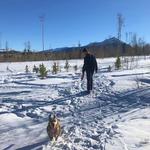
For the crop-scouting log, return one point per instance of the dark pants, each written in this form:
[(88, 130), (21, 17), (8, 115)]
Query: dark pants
[(89, 75)]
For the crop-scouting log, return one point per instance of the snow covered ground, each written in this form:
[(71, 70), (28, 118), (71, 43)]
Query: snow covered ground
[(115, 116)]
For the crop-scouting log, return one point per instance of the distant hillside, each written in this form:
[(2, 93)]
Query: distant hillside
[(107, 48), (110, 41), (111, 47), (3, 51), (113, 42)]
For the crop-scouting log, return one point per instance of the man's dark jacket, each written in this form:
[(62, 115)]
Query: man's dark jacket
[(90, 64)]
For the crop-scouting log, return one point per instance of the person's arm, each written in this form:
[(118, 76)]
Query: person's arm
[(96, 68), (83, 70)]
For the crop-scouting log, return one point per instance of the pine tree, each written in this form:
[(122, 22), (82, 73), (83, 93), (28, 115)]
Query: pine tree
[(35, 69), (67, 65), (109, 68), (118, 63), (75, 68), (27, 69), (55, 68), (43, 71)]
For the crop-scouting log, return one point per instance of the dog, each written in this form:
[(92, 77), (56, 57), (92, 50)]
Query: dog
[(53, 128)]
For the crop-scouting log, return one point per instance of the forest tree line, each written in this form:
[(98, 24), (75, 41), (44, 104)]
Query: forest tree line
[(100, 51)]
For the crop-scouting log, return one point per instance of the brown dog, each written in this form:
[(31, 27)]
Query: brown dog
[(53, 128)]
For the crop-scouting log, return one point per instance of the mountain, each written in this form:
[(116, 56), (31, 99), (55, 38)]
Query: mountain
[(3, 51), (113, 42), (111, 47), (110, 41)]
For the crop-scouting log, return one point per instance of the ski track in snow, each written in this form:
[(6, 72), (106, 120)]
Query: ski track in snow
[(100, 120)]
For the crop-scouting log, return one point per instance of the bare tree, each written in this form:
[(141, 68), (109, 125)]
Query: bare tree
[(127, 37), (28, 46), (0, 40), (141, 45), (6, 46), (25, 47), (80, 52), (6, 54), (134, 40)]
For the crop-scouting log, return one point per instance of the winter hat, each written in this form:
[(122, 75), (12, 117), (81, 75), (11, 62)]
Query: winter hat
[(84, 50)]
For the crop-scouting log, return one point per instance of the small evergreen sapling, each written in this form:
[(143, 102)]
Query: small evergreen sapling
[(75, 68), (58, 67), (35, 69), (55, 68), (26, 69), (43, 71), (109, 68), (67, 65), (118, 63)]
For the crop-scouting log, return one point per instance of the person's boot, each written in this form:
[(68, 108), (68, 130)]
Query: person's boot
[(88, 91)]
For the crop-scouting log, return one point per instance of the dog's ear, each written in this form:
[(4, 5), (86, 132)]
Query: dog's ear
[(54, 117), (50, 117)]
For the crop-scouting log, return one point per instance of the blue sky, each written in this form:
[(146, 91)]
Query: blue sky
[(70, 21)]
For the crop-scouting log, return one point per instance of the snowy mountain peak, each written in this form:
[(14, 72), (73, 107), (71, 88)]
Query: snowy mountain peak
[(109, 41), (112, 40)]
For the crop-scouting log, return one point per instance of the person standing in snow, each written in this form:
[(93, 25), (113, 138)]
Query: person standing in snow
[(90, 65)]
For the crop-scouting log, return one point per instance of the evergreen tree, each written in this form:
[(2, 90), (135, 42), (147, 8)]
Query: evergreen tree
[(27, 69), (109, 68), (43, 71), (55, 68), (118, 63), (75, 68), (67, 65), (35, 69)]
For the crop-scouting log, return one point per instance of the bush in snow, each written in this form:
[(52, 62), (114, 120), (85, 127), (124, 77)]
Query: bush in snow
[(58, 67), (67, 65), (109, 68), (118, 63), (26, 69), (43, 71), (75, 68), (35, 69), (55, 68)]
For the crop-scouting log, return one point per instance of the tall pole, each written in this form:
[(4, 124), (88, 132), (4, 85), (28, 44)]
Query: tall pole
[(0, 41), (120, 20), (120, 24), (42, 19)]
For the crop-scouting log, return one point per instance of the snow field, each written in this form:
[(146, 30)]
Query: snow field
[(115, 116)]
